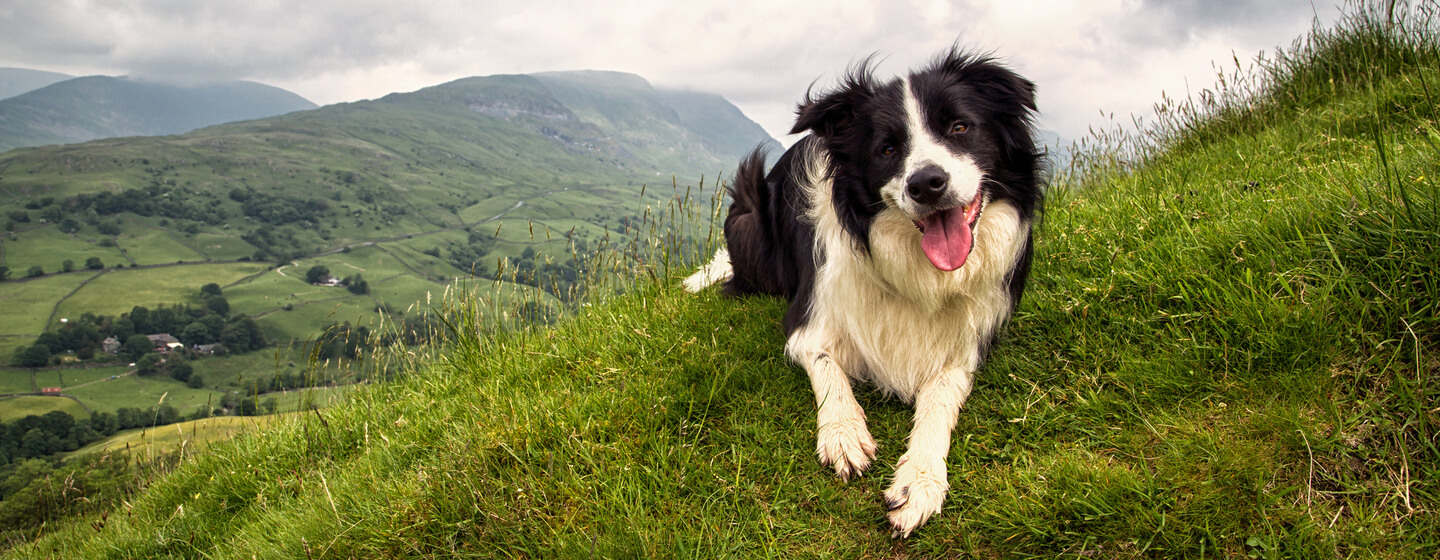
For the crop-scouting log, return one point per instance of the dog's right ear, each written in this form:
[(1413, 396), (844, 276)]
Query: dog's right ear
[(835, 110), (824, 116)]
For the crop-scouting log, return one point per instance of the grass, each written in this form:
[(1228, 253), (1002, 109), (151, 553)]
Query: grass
[(150, 287), (156, 246), (1227, 349), (49, 248), (19, 407), (181, 437), (28, 304)]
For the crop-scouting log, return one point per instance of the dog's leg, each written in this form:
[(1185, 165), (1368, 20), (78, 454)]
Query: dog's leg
[(841, 440), (920, 476)]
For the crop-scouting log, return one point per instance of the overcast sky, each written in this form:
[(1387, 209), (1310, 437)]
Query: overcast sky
[(1087, 57)]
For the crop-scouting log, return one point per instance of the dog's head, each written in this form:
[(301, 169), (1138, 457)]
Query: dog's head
[(936, 146)]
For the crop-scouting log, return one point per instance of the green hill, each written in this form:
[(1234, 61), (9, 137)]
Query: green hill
[(513, 179), (15, 81), (93, 107), (1228, 349)]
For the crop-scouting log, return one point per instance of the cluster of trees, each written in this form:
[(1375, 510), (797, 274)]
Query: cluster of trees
[(279, 209), (160, 198), (320, 273), (469, 257), (207, 323), (58, 432)]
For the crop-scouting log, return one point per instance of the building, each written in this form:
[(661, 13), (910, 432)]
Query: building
[(164, 343), (111, 345)]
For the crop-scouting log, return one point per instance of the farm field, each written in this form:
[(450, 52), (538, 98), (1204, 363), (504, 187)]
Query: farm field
[(150, 287)]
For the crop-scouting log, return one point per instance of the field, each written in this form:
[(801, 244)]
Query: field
[(156, 246), (15, 408), (49, 248), (185, 437), (150, 287), (28, 304)]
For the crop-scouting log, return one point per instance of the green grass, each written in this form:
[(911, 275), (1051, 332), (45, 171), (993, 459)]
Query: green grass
[(19, 407), (182, 437), (135, 391), (28, 304), (221, 247), (49, 248), (167, 285), (1228, 349), (15, 380), (154, 246)]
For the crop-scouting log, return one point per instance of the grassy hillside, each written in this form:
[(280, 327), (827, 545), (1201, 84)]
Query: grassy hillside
[(1228, 349)]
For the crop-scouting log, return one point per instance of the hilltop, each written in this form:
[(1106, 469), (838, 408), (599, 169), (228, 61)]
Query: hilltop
[(94, 107), (15, 81)]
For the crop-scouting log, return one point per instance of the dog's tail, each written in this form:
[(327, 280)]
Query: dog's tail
[(749, 195)]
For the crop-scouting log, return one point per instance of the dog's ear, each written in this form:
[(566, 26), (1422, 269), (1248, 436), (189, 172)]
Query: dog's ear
[(1006, 90), (835, 110), (824, 116)]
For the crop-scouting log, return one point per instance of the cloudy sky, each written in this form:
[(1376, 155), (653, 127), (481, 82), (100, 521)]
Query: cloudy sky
[(1088, 57)]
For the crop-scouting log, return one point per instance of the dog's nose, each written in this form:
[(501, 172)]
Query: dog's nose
[(926, 185)]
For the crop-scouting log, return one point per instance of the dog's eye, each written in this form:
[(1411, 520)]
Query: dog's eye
[(887, 151), (958, 127)]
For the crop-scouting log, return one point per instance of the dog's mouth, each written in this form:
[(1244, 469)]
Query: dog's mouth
[(949, 235)]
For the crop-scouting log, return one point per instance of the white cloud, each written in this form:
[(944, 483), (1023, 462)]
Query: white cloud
[(1087, 57)]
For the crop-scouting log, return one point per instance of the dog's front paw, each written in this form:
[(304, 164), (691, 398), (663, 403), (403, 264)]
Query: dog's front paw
[(845, 444), (916, 495)]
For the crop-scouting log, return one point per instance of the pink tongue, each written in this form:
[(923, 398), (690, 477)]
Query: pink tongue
[(947, 239)]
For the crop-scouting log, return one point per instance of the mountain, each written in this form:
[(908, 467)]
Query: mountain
[(413, 189), (15, 81), (94, 107)]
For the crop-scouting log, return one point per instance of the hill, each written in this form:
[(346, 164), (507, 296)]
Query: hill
[(1228, 349), (512, 179), (93, 107), (15, 81)]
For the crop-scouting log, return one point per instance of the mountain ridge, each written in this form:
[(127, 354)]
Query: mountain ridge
[(96, 107)]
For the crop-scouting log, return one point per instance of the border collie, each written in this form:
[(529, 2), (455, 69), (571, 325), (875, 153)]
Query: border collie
[(900, 230)]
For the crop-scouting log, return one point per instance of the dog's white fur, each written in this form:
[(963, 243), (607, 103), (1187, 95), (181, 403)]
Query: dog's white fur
[(891, 318)]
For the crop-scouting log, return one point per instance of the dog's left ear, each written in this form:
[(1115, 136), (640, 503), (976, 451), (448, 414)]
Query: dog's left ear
[(1009, 92)]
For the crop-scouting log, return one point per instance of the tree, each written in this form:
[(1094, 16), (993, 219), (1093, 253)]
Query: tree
[(317, 274), (34, 356), (137, 345), (181, 371), (197, 333), (148, 364), (4, 273), (140, 317), (67, 266), (357, 285), (218, 305), (196, 381), (93, 263), (211, 289), (35, 271)]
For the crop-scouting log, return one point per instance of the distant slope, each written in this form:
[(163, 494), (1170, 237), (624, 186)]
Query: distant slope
[(15, 81), (413, 189), (95, 107)]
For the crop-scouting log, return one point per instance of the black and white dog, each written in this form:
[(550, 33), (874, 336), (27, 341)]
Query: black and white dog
[(900, 229)]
